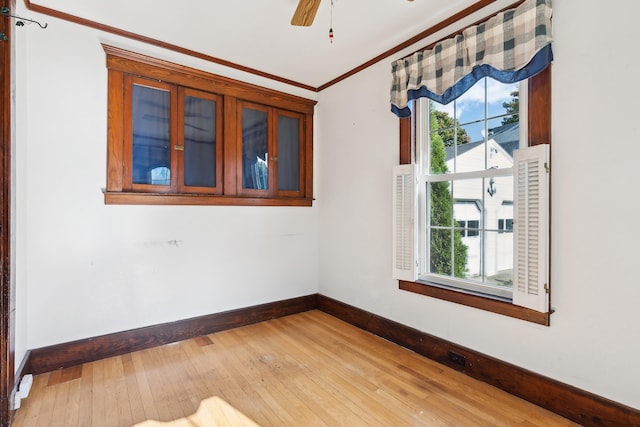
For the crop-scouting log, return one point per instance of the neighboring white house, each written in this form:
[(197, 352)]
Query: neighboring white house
[(492, 199)]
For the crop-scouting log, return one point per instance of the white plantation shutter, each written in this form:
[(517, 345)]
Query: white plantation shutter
[(531, 228), (404, 223)]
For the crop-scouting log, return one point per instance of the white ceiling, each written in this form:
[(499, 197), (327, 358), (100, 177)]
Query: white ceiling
[(258, 33)]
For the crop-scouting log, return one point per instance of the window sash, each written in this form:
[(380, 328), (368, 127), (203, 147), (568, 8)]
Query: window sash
[(280, 155), (423, 154), (182, 187), (130, 82)]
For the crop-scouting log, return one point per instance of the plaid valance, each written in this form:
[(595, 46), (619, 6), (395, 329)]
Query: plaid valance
[(509, 47)]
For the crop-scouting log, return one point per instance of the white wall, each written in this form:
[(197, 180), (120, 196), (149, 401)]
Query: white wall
[(85, 268), (592, 342)]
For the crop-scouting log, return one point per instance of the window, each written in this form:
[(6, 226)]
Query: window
[(182, 136), (465, 204)]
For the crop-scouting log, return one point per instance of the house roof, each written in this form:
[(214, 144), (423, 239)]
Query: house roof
[(507, 136)]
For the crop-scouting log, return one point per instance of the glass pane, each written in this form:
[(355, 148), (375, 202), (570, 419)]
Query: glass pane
[(471, 156), (199, 142), (441, 156), (468, 212), (468, 195), (471, 133), (499, 258), (498, 200), (503, 140), (151, 154), (470, 106), (441, 116), (440, 252), (255, 169), (288, 153), (440, 204), (473, 259), (503, 98)]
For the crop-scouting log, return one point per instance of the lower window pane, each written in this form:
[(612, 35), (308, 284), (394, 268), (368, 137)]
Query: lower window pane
[(151, 155), (255, 168), (199, 142), (440, 203), (473, 260), (440, 250), (499, 258)]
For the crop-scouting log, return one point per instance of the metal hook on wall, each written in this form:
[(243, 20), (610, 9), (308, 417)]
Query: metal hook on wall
[(5, 11)]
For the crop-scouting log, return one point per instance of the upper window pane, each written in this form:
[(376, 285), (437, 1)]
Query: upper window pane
[(255, 149), (199, 142), (479, 130), (151, 153), (288, 153)]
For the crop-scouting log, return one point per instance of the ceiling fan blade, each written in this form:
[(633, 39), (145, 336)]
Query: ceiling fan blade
[(305, 13)]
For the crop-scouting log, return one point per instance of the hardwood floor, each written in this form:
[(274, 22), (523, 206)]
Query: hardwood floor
[(308, 369)]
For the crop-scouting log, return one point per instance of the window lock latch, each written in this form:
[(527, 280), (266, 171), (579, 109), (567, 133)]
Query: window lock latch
[(178, 147)]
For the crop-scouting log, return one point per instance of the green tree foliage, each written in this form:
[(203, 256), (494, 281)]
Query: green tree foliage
[(441, 213), (512, 107), (449, 129)]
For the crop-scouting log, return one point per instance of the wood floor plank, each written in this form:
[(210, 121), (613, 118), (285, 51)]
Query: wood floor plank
[(160, 385), (72, 409), (144, 389), (307, 369), (133, 389), (85, 403), (58, 415), (46, 409), (98, 405)]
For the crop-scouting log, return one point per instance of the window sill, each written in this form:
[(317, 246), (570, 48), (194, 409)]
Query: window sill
[(486, 303), (126, 198)]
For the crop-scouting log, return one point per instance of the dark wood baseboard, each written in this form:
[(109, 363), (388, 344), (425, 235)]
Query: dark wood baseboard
[(575, 404), (46, 359)]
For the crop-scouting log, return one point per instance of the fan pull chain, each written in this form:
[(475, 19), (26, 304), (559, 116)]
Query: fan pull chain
[(331, 24)]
